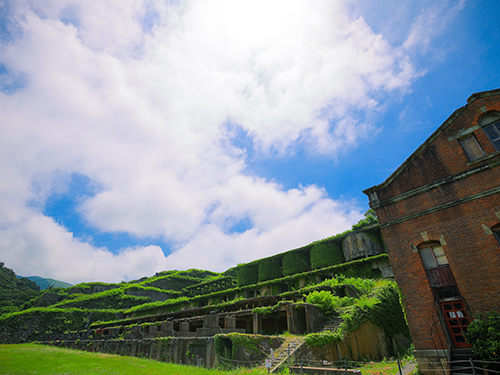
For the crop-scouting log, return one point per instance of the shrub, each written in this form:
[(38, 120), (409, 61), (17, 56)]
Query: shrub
[(327, 302), (484, 335)]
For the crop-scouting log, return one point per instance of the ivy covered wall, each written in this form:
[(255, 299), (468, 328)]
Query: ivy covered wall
[(326, 254), (270, 268), (247, 274), (296, 262)]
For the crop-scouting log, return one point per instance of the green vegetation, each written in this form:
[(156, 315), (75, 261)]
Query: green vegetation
[(325, 254), (45, 360), (370, 219), (31, 359), (45, 283), (248, 274), (484, 335), (296, 262), (349, 292), (270, 268), (319, 254), (14, 291), (114, 297), (214, 284), (378, 301), (358, 268), (37, 323), (29, 314)]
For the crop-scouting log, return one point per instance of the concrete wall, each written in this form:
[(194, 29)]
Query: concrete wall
[(367, 342), (189, 351)]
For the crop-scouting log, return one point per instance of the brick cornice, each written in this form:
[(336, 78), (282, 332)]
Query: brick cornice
[(442, 207), (448, 180)]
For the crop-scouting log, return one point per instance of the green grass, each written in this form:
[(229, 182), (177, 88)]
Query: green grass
[(39, 359)]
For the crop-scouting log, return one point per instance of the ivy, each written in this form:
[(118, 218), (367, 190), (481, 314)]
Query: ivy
[(378, 303), (270, 268), (326, 254), (248, 274), (37, 323), (324, 338), (296, 262)]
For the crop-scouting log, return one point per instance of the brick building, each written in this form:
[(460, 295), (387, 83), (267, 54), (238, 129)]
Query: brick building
[(439, 214)]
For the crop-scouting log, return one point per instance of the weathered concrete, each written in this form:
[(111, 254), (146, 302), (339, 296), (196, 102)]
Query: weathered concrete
[(197, 351), (367, 342), (360, 245)]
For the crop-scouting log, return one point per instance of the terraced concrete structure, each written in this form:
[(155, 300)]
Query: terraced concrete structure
[(231, 304)]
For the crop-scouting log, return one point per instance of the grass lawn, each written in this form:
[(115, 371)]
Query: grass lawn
[(380, 368), (40, 359)]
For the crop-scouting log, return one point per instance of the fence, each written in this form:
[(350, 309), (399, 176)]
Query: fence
[(405, 366)]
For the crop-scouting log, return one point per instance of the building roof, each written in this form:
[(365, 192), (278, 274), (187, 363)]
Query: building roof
[(431, 139)]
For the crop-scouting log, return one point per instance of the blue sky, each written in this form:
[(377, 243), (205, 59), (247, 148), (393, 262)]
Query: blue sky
[(140, 136)]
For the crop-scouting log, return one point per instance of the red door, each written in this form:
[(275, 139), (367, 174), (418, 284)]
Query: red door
[(457, 320)]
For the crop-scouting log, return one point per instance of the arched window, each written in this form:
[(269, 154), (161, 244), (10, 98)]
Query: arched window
[(491, 126), (433, 256)]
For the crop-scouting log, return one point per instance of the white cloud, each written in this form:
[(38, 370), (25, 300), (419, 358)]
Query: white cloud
[(431, 22), (141, 109), (38, 244)]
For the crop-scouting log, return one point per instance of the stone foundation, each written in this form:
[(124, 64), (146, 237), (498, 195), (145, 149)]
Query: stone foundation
[(432, 362)]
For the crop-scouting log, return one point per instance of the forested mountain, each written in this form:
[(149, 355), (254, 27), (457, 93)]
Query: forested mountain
[(14, 291), (45, 283)]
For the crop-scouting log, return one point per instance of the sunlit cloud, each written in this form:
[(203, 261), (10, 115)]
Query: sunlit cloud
[(137, 97)]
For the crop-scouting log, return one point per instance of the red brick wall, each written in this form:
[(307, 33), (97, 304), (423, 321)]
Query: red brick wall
[(473, 255), (447, 157)]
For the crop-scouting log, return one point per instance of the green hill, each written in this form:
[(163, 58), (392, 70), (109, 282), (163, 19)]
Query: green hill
[(14, 291), (44, 283)]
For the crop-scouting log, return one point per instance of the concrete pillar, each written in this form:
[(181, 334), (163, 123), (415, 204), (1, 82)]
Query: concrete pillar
[(257, 329)]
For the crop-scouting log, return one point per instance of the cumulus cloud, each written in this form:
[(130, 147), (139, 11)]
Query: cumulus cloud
[(137, 96)]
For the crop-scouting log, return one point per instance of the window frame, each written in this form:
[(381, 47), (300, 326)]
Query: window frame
[(468, 150), (437, 263), (490, 123), (496, 232)]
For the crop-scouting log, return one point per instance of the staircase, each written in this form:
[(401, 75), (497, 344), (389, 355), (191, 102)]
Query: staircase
[(329, 325), (285, 351), (460, 361)]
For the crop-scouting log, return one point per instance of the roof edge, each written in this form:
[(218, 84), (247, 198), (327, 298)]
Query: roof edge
[(482, 94), (432, 137)]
